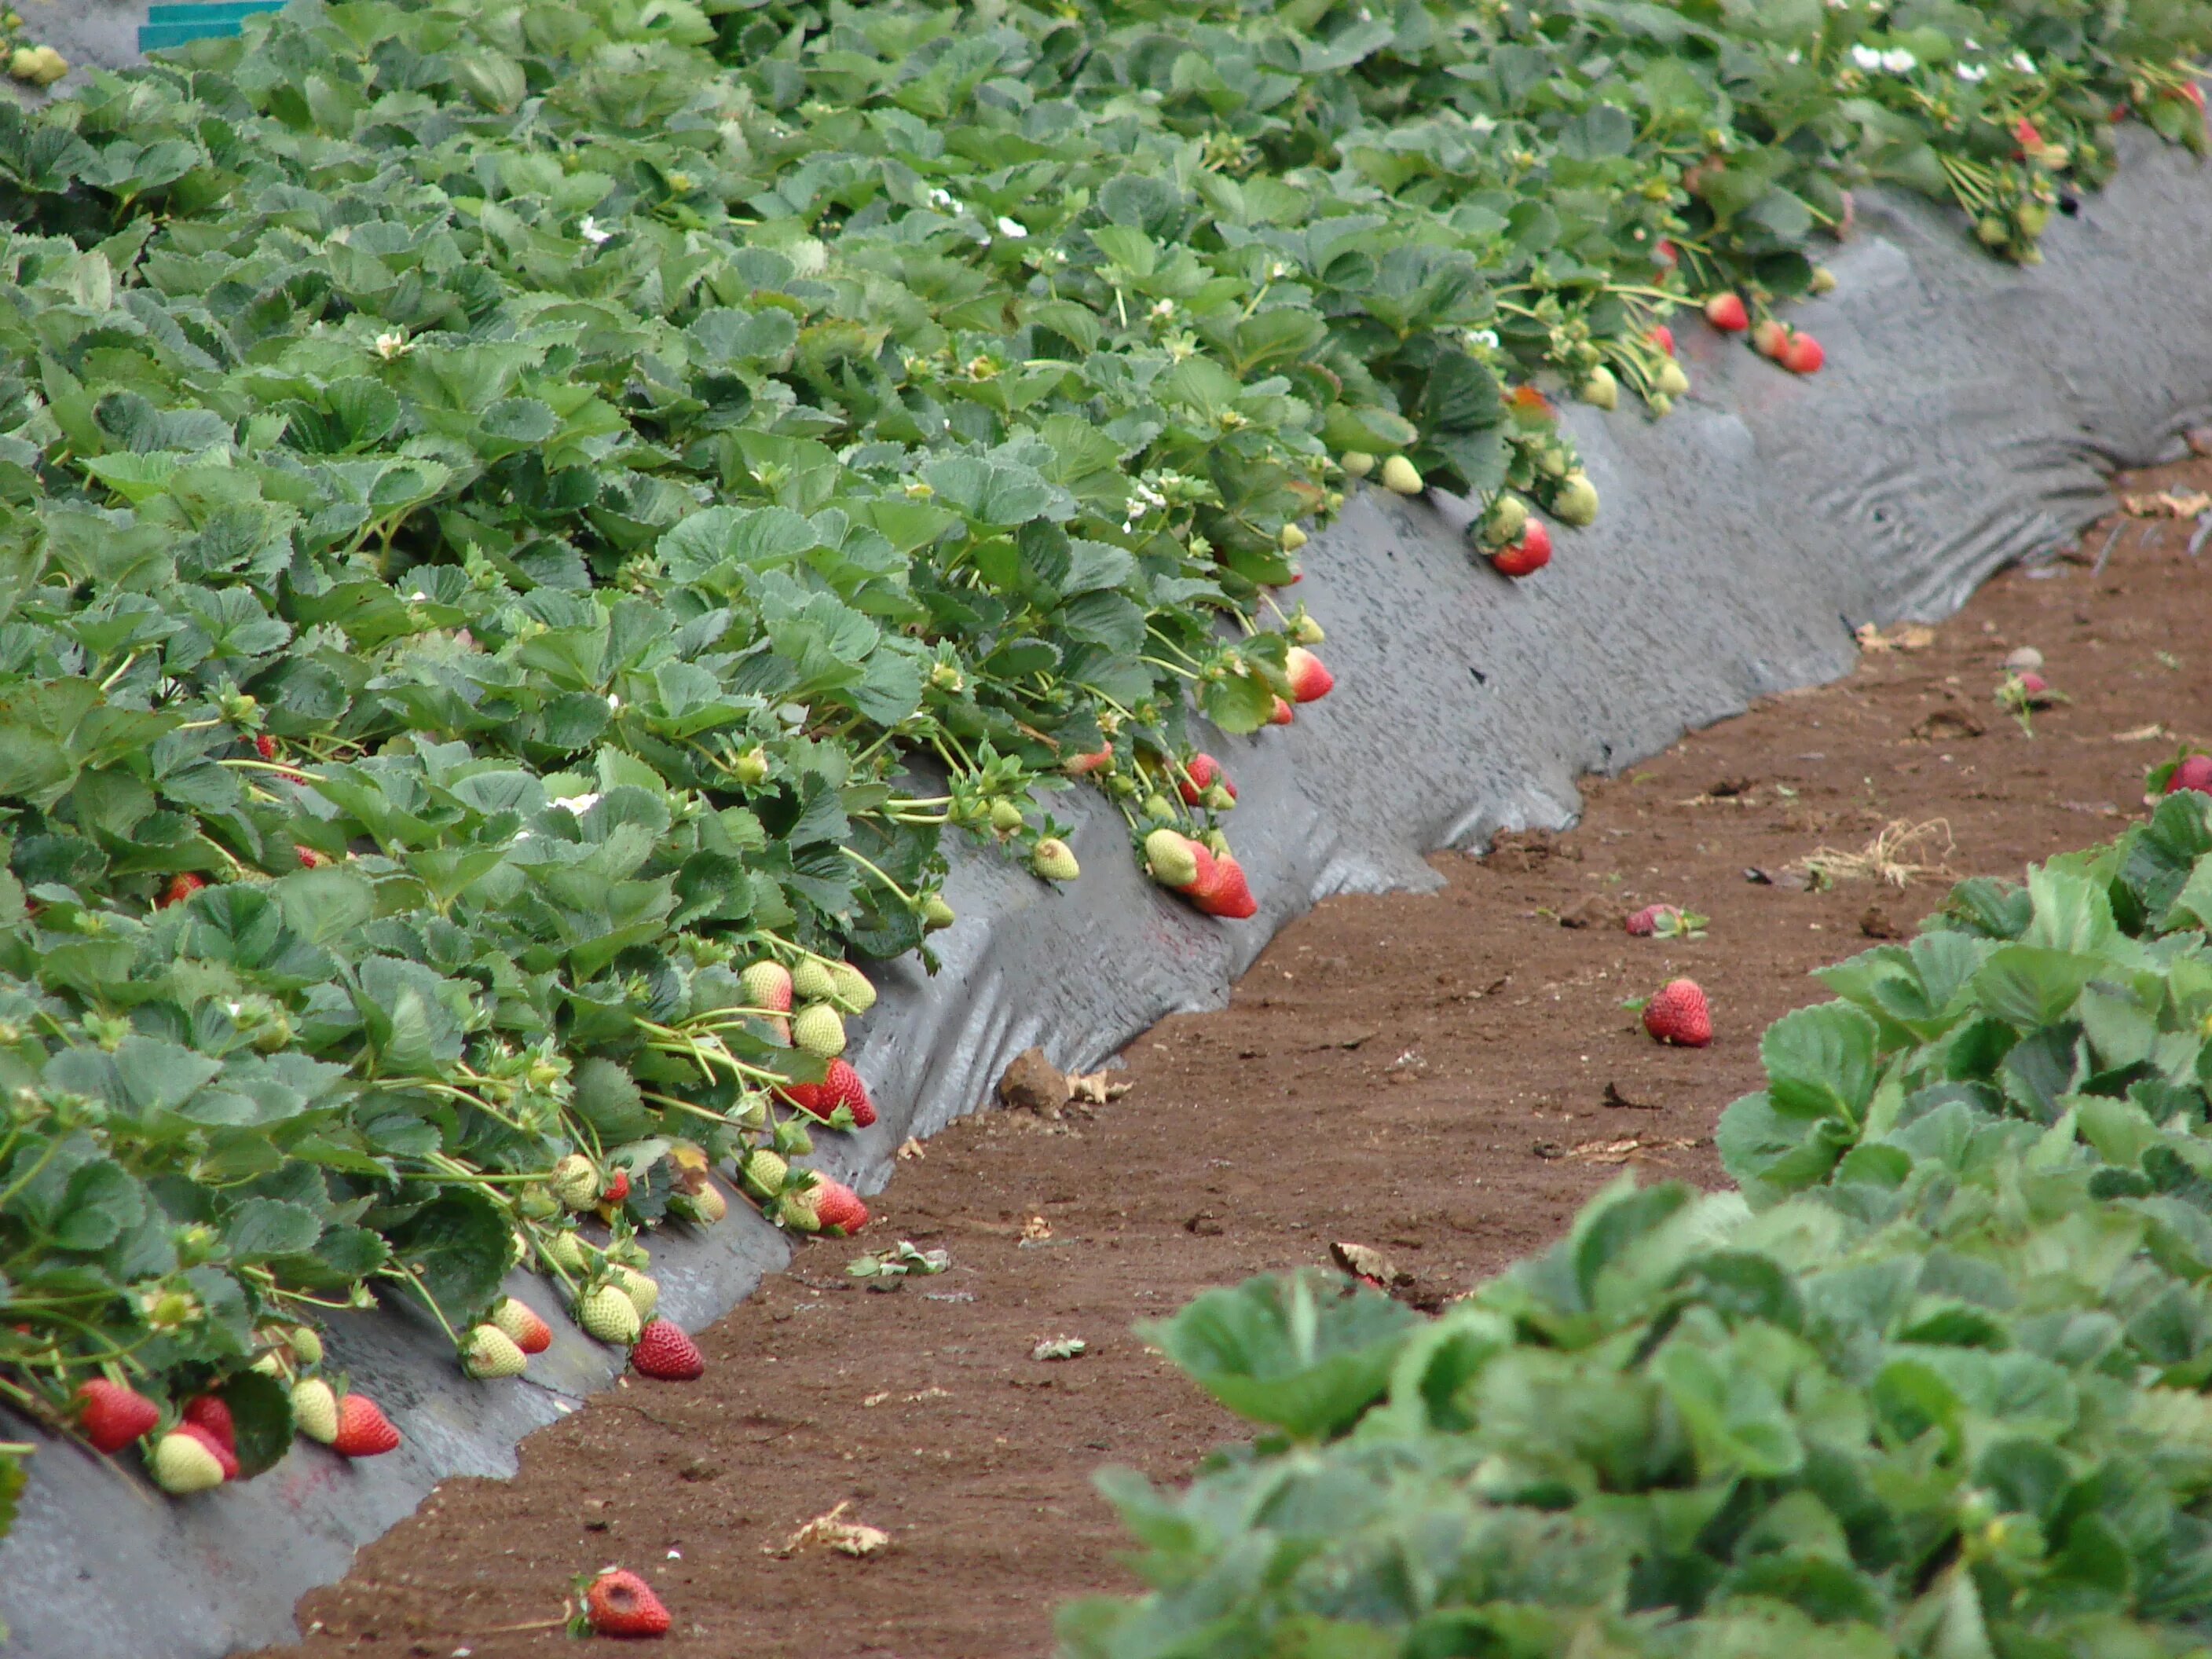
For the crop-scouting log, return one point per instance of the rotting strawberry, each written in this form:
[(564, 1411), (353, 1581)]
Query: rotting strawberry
[(111, 1416), (182, 1462), (265, 745), (363, 1429), (523, 1326), (182, 887), (620, 1603), (1526, 556), (1678, 1015), (225, 1458), (1726, 312), (1645, 922), (836, 1205), (1309, 680), (2191, 772), (662, 1352), (1202, 774), (1222, 890), (841, 1086), (212, 1414)]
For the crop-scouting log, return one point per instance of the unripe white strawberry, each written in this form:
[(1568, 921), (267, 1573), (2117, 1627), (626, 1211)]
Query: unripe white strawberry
[(1169, 859), (812, 981), (1401, 477), (1576, 502), (575, 1181), (818, 1028), (489, 1352), (796, 1209), (1292, 539), (564, 1250), (1357, 463), (851, 988), (643, 1290), (1600, 388), (1054, 860), (315, 1409), (1671, 381), (606, 1313), (765, 1171), (181, 1464)]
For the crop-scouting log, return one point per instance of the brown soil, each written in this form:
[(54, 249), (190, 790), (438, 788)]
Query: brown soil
[(1445, 1077)]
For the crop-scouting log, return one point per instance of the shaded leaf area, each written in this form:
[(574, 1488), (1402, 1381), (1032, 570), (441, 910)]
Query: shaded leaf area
[(1932, 1383)]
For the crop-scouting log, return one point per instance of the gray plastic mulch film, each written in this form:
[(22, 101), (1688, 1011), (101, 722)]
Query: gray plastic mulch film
[(1965, 419)]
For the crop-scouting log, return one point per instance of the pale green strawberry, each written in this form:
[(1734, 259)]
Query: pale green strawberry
[(812, 981), (765, 1172), (576, 1178), (307, 1344), (315, 1409), (852, 988), (1401, 477), (818, 1028), (936, 914), (564, 1250), (181, 1464), (606, 1313), (642, 1289), (1054, 860), (488, 1353)]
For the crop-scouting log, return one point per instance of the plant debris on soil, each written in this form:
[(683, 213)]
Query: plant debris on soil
[(1417, 1087)]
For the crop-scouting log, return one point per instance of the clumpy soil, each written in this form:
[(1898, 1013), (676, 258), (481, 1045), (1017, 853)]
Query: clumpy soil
[(1443, 1077)]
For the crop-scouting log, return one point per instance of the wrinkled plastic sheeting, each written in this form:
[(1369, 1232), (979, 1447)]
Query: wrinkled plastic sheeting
[(1966, 418)]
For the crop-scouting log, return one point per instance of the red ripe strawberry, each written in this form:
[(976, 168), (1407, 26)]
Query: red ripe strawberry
[(216, 1444), (265, 745), (1310, 681), (213, 1415), (836, 1205), (113, 1416), (617, 1190), (1530, 401), (1663, 336), (1678, 1015), (2191, 772), (664, 1353), (1531, 553), (1667, 257), (841, 1086), (620, 1603), (181, 887), (363, 1429), (1281, 714), (1645, 922), (1726, 312), (309, 857), (1221, 890), (1204, 772), (1802, 354)]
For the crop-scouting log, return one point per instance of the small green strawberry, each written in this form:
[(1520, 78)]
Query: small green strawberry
[(936, 914), (606, 1313), (818, 1028), (488, 1353)]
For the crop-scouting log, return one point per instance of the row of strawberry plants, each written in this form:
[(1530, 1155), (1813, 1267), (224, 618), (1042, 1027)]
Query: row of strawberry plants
[(1932, 1382), (522, 524)]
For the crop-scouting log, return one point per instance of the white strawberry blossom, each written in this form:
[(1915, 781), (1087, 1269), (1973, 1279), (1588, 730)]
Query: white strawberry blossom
[(590, 231), (1971, 73), (391, 345), (1898, 61), (2023, 63), (577, 805), (1012, 229)]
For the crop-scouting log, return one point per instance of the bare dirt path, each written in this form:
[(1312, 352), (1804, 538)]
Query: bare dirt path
[(1441, 1077)]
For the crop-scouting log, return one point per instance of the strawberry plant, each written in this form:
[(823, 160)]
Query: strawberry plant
[(1931, 1383), (523, 525)]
